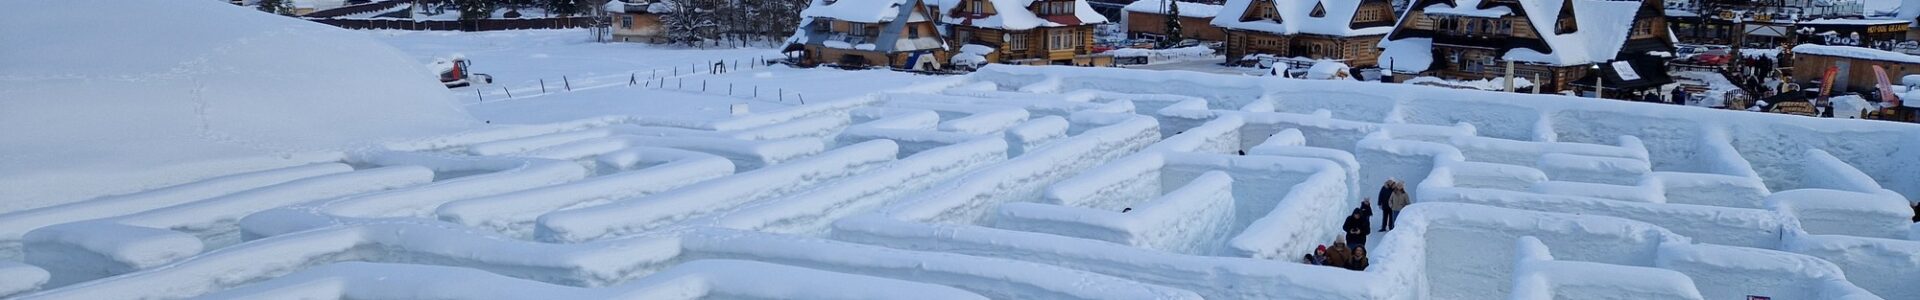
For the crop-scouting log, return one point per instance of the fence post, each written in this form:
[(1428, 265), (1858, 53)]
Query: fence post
[(509, 93), (543, 85), (476, 93), (803, 98), (703, 85), (569, 84), (681, 84), (632, 79), (729, 89)]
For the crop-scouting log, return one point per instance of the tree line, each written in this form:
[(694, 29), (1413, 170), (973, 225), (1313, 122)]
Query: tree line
[(730, 22)]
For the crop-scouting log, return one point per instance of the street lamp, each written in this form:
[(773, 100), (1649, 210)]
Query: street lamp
[(1598, 80)]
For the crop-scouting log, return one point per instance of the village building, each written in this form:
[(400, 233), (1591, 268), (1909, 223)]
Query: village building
[(1148, 19), (1884, 34), (1751, 23), (896, 34), (1559, 45), (1303, 31), (1032, 32), (637, 21), (1853, 66)]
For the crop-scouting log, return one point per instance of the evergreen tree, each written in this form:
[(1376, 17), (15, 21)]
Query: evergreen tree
[(476, 9), (280, 7), (1173, 23), (562, 7)]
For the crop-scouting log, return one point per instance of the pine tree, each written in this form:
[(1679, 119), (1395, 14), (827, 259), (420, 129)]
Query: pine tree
[(562, 7), (477, 9), (280, 7), (1173, 23)]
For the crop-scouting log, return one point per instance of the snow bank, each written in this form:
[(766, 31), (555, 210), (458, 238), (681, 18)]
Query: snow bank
[(746, 155), (513, 213), (1536, 275), (1846, 213), (21, 278), (1708, 224), (1468, 252), (1211, 277), (88, 250), (1725, 272), (1192, 219), (700, 279), (216, 89), (15, 225), (969, 198), (1885, 267), (726, 193), (811, 212), (1593, 169)]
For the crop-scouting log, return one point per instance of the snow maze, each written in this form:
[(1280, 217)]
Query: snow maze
[(1010, 184)]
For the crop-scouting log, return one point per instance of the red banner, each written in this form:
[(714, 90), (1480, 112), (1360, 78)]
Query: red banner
[(1826, 82), (1886, 88)]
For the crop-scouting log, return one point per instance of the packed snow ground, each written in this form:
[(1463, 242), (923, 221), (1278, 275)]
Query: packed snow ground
[(1009, 183)]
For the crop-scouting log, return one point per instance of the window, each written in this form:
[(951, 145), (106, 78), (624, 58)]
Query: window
[(913, 32), (1017, 41), (977, 7), (857, 29), (1643, 28), (626, 22), (1062, 40)]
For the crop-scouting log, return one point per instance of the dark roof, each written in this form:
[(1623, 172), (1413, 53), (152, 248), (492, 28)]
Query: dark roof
[(1652, 72)]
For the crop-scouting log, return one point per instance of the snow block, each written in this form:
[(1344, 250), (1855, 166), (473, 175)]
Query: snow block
[(1536, 275), (700, 279), (1886, 267), (21, 278), (1593, 169), (813, 211), (1728, 272), (1476, 244), (746, 155), (1021, 179), (1035, 133), (1711, 189), (727, 193), (513, 213), (88, 250), (1846, 213), (1709, 224), (1192, 219), (1221, 135)]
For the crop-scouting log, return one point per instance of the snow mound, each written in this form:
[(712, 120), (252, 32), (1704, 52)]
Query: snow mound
[(203, 89)]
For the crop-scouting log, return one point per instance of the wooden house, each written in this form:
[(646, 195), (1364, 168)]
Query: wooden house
[(637, 21), (1559, 45), (1148, 19), (1342, 30), (1853, 65), (1056, 32), (898, 34)]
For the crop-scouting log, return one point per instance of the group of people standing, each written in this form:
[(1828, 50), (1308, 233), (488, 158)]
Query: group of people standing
[(1350, 250)]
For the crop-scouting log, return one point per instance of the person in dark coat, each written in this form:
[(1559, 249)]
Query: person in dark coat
[(1357, 228), (1386, 190), (1651, 96), (1679, 96), (1360, 260)]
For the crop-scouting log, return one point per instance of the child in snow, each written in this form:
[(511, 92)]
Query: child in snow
[(1360, 261), (1339, 256), (1319, 256)]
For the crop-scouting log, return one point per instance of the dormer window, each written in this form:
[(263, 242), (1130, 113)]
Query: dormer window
[(977, 6), (1564, 23), (1319, 10), (1051, 8)]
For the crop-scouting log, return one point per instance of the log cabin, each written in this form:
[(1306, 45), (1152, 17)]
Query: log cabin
[(1348, 31), (1035, 32), (897, 34), (1562, 43)]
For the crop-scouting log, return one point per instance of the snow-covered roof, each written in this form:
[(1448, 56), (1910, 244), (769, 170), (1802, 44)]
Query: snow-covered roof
[(1909, 10), (1295, 18), (1013, 15), (1856, 52), (1853, 22), (1604, 26), (863, 11), (1187, 9)]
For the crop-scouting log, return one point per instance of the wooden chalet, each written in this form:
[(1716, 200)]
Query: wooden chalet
[(1038, 32), (1148, 19), (637, 21), (1343, 30), (897, 34), (1557, 44), (1853, 66)]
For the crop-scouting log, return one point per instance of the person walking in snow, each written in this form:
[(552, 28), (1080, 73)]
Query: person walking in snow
[(1397, 200), (1679, 96), (1360, 260), (1386, 211), (1357, 227)]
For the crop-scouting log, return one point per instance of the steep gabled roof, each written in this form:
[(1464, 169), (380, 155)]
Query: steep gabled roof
[(863, 11), (1013, 15), (1296, 17), (1187, 9), (1604, 26), (894, 15)]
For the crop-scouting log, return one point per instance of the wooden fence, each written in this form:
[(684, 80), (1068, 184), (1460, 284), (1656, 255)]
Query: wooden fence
[(462, 25)]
